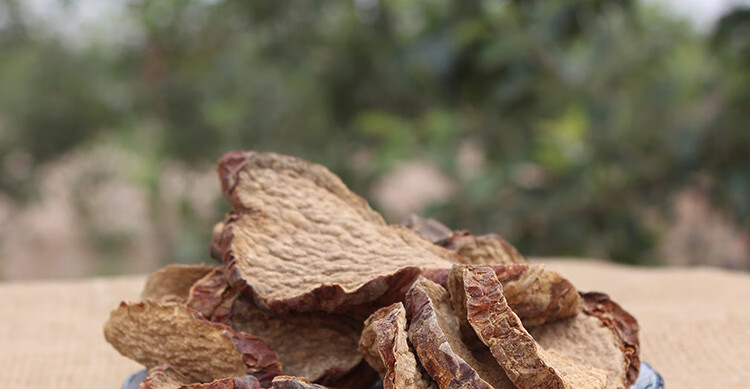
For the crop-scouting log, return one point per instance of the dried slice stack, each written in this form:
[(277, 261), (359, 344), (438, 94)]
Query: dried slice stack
[(313, 289)]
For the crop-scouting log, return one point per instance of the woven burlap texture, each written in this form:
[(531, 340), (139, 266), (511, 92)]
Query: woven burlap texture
[(695, 325)]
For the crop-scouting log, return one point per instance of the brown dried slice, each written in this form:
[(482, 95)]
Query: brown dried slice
[(535, 293), (434, 332), (153, 333), (430, 229), (164, 377), (603, 336), (167, 377), (386, 348), (322, 347), (287, 382), (216, 250), (173, 282), (303, 241), (483, 249), (495, 324)]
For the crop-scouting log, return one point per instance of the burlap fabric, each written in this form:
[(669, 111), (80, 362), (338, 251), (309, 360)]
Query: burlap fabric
[(695, 325)]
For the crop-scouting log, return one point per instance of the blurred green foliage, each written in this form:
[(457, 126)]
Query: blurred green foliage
[(615, 105)]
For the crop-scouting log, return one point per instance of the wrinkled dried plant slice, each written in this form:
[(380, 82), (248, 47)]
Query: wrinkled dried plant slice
[(384, 343), (434, 332), (216, 250), (590, 338), (430, 229), (153, 333), (489, 249), (173, 282), (288, 382), (495, 324), (539, 295), (320, 346), (164, 377), (535, 293), (167, 377), (303, 241), (622, 324), (212, 297)]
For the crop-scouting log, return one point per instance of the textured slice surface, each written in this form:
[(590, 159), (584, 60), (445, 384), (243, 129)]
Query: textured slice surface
[(526, 364), (622, 324), (154, 333), (539, 295), (483, 249), (302, 240), (287, 382), (167, 377), (164, 377), (434, 332), (384, 343), (535, 293), (173, 282), (322, 347), (603, 336)]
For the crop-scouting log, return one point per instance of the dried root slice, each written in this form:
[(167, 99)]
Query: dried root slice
[(539, 295), (173, 282), (489, 249), (593, 338), (287, 382), (164, 377), (434, 332), (384, 343), (167, 377), (430, 229), (153, 333), (216, 250), (301, 240), (212, 297), (623, 326), (492, 320), (320, 346), (535, 293)]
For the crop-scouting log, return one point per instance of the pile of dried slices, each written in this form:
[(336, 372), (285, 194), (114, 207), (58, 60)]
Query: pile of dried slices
[(314, 289)]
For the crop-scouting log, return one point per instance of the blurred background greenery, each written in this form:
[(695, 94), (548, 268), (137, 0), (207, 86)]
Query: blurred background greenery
[(589, 128)]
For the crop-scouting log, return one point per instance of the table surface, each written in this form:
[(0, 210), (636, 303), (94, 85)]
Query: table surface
[(695, 325)]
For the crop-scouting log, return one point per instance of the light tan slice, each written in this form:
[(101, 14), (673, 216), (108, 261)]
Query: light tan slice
[(591, 337), (167, 377), (287, 382), (303, 241), (495, 324), (434, 332), (154, 333), (384, 343), (173, 282)]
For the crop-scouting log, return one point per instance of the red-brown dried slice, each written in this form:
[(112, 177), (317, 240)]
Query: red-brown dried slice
[(488, 249), (603, 336), (495, 324), (535, 293), (173, 282), (167, 377), (287, 382), (212, 297), (153, 333), (303, 241), (320, 346), (434, 332), (384, 343)]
